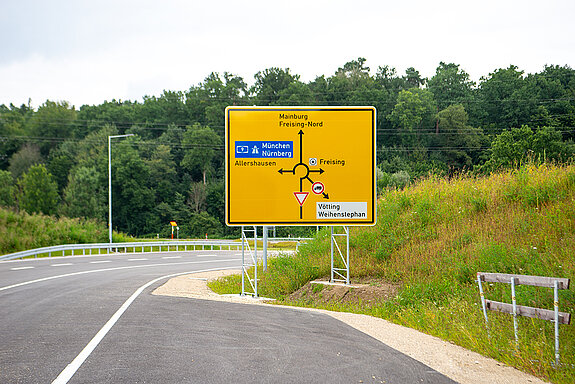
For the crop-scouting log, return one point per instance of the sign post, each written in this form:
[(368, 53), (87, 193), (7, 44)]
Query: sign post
[(301, 166)]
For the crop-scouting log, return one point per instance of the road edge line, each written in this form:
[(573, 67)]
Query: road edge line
[(73, 367)]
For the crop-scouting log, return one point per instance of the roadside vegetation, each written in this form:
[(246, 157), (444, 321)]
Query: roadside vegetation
[(430, 241), (20, 231)]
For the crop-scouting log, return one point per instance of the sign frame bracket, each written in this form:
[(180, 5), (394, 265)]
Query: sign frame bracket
[(338, 274), (249, 260)]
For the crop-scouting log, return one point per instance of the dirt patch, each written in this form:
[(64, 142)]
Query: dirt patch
[(366, 292), (195, 286)]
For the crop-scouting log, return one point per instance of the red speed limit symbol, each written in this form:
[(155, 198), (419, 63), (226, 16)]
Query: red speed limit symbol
[(317, 188)]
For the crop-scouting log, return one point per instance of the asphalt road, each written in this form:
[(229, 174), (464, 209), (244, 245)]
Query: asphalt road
[(92, 319)]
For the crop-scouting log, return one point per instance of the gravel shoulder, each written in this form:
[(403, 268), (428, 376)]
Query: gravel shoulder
[(453, 361)]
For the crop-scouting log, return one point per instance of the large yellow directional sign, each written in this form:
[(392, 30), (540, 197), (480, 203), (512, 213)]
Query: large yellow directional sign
[(300, 166)]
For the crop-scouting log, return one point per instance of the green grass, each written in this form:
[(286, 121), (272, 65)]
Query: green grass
[(20, 231), (433, 237)]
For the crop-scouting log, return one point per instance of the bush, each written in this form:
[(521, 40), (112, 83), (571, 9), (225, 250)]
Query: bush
[(399, 180)]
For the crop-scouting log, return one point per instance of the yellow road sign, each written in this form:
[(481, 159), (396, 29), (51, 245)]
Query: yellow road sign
[(300, 166)]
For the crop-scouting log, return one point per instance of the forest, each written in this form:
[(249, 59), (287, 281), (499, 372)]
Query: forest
[(54, 158)]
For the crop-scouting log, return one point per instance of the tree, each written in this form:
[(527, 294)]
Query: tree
[(168, 108), (206, 102), (163, 173), (164, 212), (413, 79), (38, 191), (318, 88), (204, 146), (132, 194), (197, 197), (297, 93), (348, 81), (22, 160), (54, 121), (389, 84), (202, 223), (516, 145), (413, 113), (173, 137), (93, 150), (459, 142), (7, 189), (355, 72), (386, 77), (85, 195), (60, 163), (499, 110), (121, 114), (450, 85), (12, 122), (216, 201), (549, 98), (269, 84)]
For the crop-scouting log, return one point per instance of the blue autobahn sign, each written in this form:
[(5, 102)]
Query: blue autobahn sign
[(264, 149)]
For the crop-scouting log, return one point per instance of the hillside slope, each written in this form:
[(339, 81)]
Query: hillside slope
[(430, 241)]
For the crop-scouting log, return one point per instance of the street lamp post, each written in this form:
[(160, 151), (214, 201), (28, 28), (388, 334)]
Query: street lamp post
[(110, 180)]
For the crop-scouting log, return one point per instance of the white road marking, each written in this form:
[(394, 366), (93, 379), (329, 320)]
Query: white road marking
[(73, 367), (20, 268), (207, 256), (100, 261), (140, 259), (61, 265), (111, 269), (172, 257)]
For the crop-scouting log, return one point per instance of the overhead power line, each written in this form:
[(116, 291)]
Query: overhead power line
[(32, 139)]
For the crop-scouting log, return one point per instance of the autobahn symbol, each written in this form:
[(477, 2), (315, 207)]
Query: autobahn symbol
[(300, 166)]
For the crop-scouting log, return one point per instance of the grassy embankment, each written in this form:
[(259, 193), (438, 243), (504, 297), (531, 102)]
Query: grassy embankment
[(432, 238), (20, 231)]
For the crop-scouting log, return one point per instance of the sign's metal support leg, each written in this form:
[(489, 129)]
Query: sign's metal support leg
[(331, 268), (249, 263), (265, 248), (255, 261), (338, 274), (556, 306), (243, 261)]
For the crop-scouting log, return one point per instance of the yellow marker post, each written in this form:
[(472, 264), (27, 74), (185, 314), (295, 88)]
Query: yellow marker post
[(173, 224), (300, 166)]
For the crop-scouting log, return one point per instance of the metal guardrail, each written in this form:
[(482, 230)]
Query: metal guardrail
[(142, 247), (515, 309)]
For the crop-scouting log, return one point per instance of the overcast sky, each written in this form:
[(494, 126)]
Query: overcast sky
[(86, 52)]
